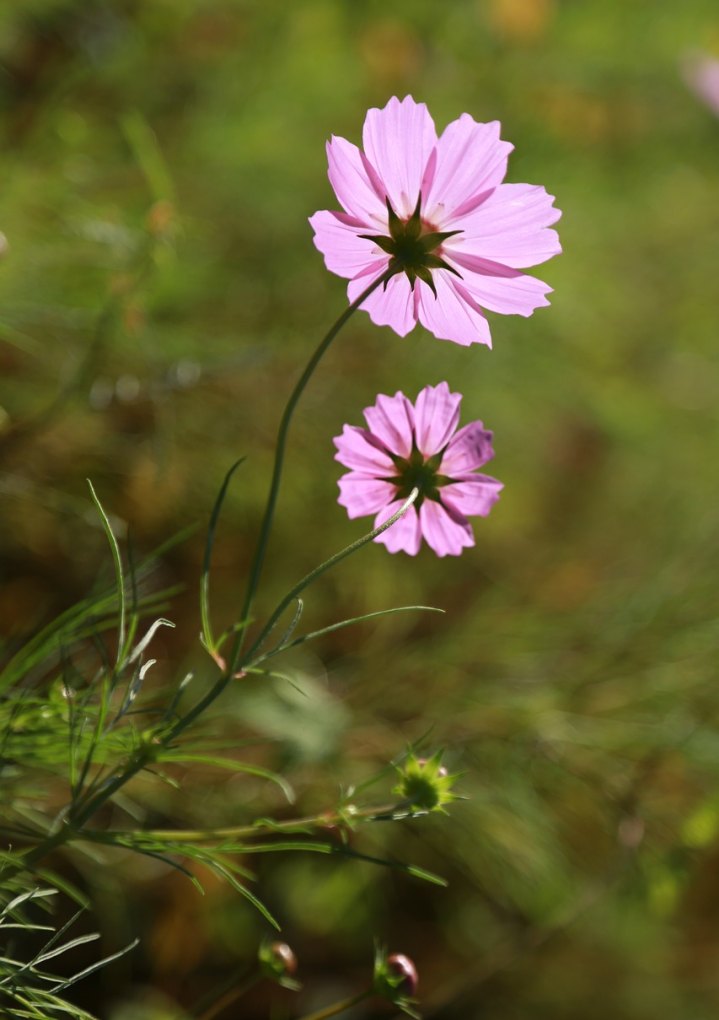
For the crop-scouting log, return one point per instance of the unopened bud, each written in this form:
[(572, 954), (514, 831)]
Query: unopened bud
[(425, 784), (277, 960), (395, 978), (400, 966)]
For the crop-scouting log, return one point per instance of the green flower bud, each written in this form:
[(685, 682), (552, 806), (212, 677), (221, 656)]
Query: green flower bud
[(425, 784)]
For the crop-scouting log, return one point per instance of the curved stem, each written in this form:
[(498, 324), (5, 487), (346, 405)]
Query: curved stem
[(266, 526)]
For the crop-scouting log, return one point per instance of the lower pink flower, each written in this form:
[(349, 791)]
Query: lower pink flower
[(417, 445)]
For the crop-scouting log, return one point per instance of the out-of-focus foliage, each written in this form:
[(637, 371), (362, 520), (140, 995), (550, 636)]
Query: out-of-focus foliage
[(160, 159)]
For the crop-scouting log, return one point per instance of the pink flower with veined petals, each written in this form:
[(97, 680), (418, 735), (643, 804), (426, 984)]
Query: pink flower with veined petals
[(417, 445), (436, 211)]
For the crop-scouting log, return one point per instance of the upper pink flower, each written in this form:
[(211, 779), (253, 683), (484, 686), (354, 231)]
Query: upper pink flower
[(408, 445), (436, 211)]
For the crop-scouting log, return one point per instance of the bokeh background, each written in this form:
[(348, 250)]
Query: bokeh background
[(158, 292)]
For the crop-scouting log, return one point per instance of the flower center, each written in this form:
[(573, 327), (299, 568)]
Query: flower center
[(415, 472), (412, 247)]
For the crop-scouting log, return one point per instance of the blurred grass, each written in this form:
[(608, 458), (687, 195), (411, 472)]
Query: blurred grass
[(573, 678)]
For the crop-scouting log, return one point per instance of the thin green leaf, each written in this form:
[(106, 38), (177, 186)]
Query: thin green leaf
[(408, 869), (81, 940), (63, 885), (33, 894), (145, 641), (282, 647), (95, 966), (224, 871), (119, 578), (180, 757), (293, 623), (324, 567), (171, 863), (286, 846), (208, 639), (275, 675), (235, 628)]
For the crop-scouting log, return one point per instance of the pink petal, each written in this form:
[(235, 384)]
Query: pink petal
[(436, 418), (471, 160), (353, 186), (358, 450), (470, 448), (510, 227), (398, 141), (391, 306), (499, 288), (405, 535), (702, 75), (345, 252), (446, 533), (474, 495), (453, 314), (361, 495), (391, 420)]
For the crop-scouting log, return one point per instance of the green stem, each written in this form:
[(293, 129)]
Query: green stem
[(238, 832), (314, 574), (339, 1007), (266, 526)]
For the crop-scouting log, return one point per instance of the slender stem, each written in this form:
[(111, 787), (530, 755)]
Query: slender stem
[(339, 1007), (266, 526), (142, 758), (331, 562), (298, 825)]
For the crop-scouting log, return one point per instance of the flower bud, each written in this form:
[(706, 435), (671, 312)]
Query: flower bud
[(425, 784), (277, 960), (395, 979), (402, 967)]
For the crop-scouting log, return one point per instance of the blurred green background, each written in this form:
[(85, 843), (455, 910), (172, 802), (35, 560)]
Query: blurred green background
[(159, 161)]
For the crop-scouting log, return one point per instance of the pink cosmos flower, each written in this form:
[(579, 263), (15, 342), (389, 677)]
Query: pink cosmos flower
[(702, 76), (408, 445), (435, 211)]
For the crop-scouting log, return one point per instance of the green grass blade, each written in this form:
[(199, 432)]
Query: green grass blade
[(119, 578), (233, 766), (311, 635), (207, 637)]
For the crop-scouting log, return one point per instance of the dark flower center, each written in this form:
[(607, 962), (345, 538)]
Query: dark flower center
[(412, 246), (417, 472)]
